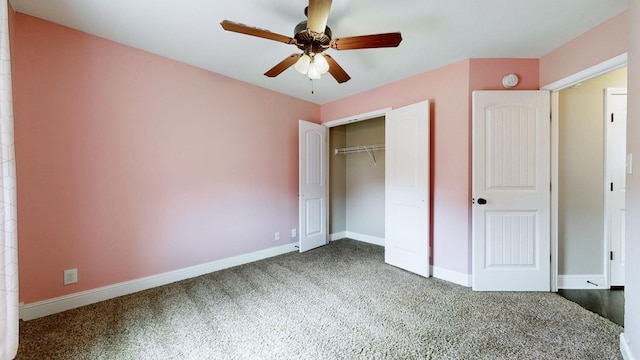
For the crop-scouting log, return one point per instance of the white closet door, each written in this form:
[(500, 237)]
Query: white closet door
[(313, 187), (407, 188)]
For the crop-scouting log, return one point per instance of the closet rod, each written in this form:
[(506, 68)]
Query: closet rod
[(357, 149)]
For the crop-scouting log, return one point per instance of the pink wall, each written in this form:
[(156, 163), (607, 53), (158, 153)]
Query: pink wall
[(599, 44), (487, 74), (449, 90), (130, 164)]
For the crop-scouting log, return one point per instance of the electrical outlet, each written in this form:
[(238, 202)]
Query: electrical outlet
[(70, 276), (277, 235), (294, 233)]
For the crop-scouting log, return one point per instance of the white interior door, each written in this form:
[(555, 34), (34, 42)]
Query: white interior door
[(407, 188), (313, 188), (511, 191), (615, 186)]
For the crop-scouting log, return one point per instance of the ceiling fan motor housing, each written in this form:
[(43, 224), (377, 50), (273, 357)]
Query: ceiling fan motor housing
[(311, 42)]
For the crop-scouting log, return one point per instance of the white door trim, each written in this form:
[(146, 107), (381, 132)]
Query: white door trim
[(571, 80), (359, 117), (555, 180)]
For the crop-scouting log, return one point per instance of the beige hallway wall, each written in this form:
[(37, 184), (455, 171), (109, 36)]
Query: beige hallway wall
[(581, 175)]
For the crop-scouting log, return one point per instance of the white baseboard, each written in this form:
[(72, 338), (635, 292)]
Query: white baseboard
[(365, 238), (625, 349), (338, 236), (357, 236), (68, 302), (451, 276), (589, 281)]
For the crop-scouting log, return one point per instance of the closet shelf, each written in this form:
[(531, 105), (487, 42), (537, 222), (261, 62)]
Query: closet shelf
[(369, 149), (357, 149)]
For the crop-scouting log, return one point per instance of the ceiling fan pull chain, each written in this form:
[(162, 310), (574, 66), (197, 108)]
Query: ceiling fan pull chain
[(311, 86)]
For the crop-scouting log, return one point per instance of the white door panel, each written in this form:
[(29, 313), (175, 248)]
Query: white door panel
[(616, 166), (313, 187), (511, 191), (407, 188)]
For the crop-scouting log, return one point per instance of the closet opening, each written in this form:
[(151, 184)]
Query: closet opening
[(370, 196), (357, 181)]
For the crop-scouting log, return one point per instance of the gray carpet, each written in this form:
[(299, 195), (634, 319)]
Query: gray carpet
[(336, 302)]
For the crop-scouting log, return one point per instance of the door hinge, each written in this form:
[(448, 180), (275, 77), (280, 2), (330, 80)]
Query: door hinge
[(611, 186), (610, 255), (611, 117)]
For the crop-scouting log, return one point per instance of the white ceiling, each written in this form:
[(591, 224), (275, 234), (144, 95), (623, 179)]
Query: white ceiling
[(435, 33)]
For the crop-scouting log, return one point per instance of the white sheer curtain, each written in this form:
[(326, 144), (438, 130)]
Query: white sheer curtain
[(8, 231)]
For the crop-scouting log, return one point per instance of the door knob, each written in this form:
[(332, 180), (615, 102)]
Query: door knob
[(482, 201)]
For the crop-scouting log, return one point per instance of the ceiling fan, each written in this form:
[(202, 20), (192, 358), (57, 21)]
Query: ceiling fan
[(313, 37)]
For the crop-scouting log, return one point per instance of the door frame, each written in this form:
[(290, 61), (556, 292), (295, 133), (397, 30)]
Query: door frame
[(344, 121), (554, 87)]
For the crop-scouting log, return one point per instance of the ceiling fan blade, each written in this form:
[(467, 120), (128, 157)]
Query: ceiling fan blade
[(253, 31), (367, 41), (318, 14), (283, 65), (336, 70)]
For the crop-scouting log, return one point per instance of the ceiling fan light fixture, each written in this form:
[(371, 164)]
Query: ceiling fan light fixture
[(314, 74), (321, 63), (302, 65)]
